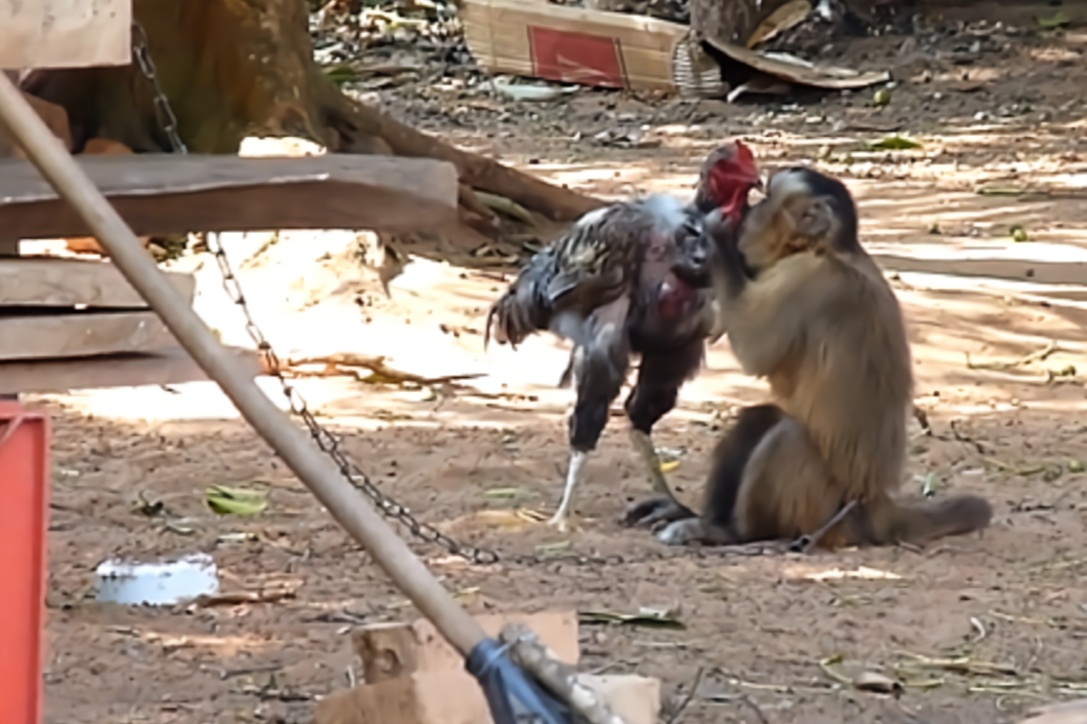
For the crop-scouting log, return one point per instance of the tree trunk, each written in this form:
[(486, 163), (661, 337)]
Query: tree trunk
[(233, 68)]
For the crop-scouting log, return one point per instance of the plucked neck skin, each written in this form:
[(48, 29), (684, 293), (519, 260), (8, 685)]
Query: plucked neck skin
[(723, 190)]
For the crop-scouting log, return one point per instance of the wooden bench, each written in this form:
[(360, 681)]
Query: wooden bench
[(77, 324)]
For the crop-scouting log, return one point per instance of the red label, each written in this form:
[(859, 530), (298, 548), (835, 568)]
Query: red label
[(572, 57)]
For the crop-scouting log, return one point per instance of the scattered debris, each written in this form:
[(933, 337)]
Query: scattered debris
[(863, 680), (894, 143), (272, 594), (347, 363), (1036, 356), (648, 617), (224, 500), (163, 583), (929, 484)]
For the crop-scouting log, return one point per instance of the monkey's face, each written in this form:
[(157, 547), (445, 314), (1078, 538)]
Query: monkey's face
[(789, 220)]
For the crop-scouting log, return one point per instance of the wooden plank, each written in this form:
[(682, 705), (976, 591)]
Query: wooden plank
[(60, 282), (169, 194), (65, 33), (81, 334), (172, 366)]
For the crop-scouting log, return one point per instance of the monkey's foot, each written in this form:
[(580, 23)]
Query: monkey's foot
[(654, 512), (681, 532)]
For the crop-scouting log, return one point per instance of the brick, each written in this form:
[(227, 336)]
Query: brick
[(431, 697), (637, 699), (389, 650), (453, 697), (557, 631)]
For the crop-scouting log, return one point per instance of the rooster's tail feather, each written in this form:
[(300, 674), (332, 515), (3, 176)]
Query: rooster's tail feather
[(522, 310)]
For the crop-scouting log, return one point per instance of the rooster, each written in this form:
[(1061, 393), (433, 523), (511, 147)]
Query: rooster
[(628, 278)]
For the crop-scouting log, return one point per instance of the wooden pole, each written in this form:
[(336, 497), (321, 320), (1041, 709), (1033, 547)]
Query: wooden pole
[(347, 505)]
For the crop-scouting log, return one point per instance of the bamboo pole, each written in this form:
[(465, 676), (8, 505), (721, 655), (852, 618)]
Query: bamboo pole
[(347, 505)]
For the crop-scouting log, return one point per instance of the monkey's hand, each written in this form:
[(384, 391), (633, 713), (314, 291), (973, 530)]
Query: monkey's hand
[(730, 266), (655, 513)]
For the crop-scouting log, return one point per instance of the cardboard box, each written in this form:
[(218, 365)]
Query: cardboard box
[(572, 45)]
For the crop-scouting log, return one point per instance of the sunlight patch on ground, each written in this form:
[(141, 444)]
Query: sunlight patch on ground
[(812, 573)]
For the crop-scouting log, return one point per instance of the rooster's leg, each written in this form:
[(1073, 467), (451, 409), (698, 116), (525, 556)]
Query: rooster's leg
[(574, 474), (600, 367), (660, 376)]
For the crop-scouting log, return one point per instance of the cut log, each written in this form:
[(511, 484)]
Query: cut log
[(81, 334), (167, 194), (58, 282), (172, 366)]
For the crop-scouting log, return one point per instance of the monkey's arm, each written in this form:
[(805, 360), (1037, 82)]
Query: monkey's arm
[(729, 270), (770, 320)]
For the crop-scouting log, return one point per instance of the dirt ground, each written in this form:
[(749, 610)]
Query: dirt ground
[(1010, 604)]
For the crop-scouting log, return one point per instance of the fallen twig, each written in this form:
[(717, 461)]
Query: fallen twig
[(688, 697), (233, 598), (962, 665), (380, 372), (506, 206), (1036, 356)]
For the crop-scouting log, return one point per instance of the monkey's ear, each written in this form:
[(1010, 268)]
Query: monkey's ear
[(815, 220)]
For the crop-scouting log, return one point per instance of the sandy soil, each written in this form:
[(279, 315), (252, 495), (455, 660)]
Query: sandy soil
[(757, 627)]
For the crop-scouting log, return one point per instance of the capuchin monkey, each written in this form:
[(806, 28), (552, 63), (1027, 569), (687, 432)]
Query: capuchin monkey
[(809, 310)]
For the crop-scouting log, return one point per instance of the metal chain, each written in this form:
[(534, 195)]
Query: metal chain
[(325, 440), (163, 112)]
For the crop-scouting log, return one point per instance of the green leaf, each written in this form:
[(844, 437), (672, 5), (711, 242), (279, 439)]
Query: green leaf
[(235, 501), (1054, 21), (340, 74), (502, 493), (651, 618), (894, 143)]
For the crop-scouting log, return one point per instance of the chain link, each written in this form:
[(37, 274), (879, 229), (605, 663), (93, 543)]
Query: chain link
[(325, 440), (163, 112)]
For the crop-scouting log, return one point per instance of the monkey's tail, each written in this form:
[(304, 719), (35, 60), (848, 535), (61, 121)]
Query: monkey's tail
[(923, 522), (523, 308)]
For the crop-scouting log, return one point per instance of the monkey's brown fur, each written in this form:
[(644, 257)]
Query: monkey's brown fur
[(820, 322)]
